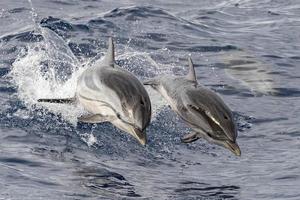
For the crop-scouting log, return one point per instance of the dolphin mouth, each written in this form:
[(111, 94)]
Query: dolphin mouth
[(140, 135), (233, 147), (136, 132)]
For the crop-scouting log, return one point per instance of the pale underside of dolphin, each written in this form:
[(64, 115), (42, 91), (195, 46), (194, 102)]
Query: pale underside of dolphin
[(201, 108), (112, 94)]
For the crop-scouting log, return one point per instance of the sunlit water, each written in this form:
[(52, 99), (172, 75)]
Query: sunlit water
[(247, 51)]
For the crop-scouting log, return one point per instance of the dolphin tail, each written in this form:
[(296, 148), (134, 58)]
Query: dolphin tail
[(64, 100)]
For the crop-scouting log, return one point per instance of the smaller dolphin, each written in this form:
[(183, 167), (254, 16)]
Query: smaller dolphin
[(112, 94), (202, 109)]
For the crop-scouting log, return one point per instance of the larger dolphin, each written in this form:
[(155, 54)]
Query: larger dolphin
[(110, 93), (199, 107)]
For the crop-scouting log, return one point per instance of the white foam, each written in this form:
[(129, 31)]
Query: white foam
[(89, 139), (34, 83)]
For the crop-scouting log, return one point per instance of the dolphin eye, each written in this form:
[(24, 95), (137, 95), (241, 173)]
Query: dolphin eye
[(142, 102), (209, 135), (225, 116), (118, 116)]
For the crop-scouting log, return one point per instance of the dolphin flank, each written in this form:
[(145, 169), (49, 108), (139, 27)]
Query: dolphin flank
[(112, 94), (202, 109)]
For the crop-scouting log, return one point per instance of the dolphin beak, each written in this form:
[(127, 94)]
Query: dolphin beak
[(233, 147), (140, 136)]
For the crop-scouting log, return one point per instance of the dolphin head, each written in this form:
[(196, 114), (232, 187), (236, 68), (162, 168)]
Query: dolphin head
[(135, 117), (139, 113), (131, 103), (210, 118), (222, 130)]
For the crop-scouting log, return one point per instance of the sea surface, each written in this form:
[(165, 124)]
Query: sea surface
[(247, 51)]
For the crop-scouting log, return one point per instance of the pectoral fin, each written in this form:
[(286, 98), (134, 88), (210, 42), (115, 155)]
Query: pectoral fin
[(190, 137), (91, 118)]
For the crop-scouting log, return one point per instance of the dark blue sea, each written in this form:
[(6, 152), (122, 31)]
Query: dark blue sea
[(247, 51)]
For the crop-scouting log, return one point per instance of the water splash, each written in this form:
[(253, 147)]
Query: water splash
[(47, 69), (34, 16)]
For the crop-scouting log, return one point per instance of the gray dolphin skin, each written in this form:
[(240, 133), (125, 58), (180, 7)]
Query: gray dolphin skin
[(202, 109), (112, 94)]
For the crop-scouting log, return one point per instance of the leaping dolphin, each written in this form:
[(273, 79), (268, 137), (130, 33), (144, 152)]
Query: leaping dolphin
[(202, 109), (112, 94)]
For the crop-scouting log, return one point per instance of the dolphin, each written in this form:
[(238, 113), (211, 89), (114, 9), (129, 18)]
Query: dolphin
[(112, 94), (201, 108)]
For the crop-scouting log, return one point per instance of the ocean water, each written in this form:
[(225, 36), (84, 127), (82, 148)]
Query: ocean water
[(248, 51)]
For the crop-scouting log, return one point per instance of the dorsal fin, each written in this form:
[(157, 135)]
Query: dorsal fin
[(110, 54), (191, 75)]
